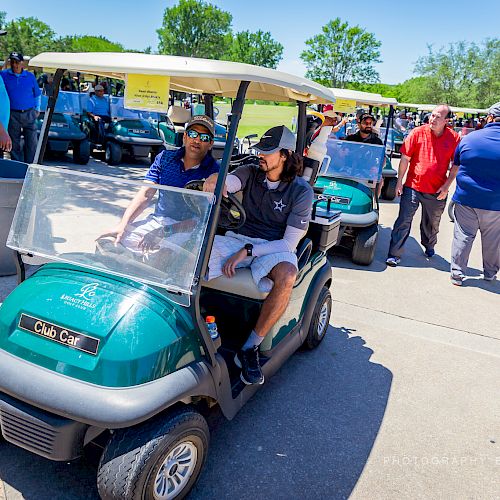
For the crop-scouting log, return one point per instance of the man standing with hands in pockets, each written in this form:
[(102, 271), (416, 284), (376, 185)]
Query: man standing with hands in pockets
[(425, 162)]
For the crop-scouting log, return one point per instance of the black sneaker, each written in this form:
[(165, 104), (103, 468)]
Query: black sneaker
[(248, 361), (429, 252)]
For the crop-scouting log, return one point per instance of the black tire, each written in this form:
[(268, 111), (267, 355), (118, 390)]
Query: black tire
[(320, 320), (113, 153), (389, 188), (81, 152), (451, 211), (133, 457), (365, 242)]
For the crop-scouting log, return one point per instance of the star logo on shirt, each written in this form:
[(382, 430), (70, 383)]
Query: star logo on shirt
[(279, 205)]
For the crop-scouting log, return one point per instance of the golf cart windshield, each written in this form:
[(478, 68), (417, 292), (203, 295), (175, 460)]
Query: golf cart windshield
[(390, 139), (64, 215), (121, 113), (67, 102), (354, 160)]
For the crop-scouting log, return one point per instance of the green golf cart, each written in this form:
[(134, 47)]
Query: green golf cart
[(66, 130), (352, 183), (131, 132), (103, 346)]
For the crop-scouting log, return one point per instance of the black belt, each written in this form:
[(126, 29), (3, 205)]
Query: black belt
[(21, 110)]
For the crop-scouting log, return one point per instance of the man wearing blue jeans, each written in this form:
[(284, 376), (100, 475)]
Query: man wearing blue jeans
[(24, 95), (477, 198)]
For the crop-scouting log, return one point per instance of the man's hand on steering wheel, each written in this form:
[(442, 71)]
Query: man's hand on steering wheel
[(151, 241), (211, 182)]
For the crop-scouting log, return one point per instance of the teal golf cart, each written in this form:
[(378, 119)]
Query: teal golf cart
[(106, 346), (131, 132), (351, 177), (66, 129)]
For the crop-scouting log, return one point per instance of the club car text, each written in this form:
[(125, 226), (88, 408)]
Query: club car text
[(59, 334)]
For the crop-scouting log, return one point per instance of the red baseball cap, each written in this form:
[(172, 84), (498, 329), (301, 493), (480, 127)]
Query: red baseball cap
[(329, 111)]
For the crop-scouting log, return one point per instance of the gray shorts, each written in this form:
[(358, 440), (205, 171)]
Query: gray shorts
[(225, 246)]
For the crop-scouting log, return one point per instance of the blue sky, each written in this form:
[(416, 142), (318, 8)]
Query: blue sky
[(404, 28)]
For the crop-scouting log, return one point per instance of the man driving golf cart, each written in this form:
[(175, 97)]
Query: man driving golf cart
[(365, 132), (98, 110), (172, 168), (277, 204)]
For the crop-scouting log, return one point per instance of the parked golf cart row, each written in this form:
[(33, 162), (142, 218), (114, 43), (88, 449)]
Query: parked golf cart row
[(99, 347), (136, 134)]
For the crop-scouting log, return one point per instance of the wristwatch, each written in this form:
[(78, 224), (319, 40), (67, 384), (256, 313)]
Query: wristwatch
[(167, 231), (249, 248)]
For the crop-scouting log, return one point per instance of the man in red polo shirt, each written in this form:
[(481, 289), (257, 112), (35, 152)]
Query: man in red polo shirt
[(425, 161)]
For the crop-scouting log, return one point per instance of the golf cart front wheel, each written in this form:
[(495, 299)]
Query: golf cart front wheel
[(113, 153), (160, 459), (320, 319), (81, 152), (389, 188), (365, 242)]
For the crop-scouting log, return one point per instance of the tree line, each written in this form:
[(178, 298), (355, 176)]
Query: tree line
[(462, 74)]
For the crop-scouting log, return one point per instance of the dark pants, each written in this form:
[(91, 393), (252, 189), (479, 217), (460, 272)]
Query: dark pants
[(432, 209), (23, 124)]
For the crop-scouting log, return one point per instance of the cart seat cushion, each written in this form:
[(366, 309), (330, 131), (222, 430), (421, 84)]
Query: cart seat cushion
[(241, 284), (179, 115)]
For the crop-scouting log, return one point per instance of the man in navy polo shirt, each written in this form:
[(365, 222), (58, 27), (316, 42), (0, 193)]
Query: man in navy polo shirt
[(477, 198), (176, 168), (277, 203), (24, 95)]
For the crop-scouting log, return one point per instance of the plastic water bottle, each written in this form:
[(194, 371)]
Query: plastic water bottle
[(212, 327)]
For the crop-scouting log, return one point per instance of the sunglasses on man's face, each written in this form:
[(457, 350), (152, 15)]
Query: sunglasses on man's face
[(193, 134)]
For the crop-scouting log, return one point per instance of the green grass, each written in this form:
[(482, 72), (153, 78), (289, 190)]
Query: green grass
[(257, 118)]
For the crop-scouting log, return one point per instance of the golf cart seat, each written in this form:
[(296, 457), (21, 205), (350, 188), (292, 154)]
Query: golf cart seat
[(242, 283), (179, 116)]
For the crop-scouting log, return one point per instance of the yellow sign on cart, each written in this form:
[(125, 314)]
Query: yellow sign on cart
[(460, 114), (147, 92), (345, 106)]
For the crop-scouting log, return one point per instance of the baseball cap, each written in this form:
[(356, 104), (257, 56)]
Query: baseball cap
[(495, 110), (204, 120), (98, 87), (329, 111), (17, 56), (360, 111), (274, 139), (364, 116)]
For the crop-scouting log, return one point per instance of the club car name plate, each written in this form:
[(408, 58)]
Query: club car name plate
[(59, 334)]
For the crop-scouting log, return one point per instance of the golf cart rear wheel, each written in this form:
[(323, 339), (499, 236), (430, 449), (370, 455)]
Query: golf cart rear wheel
[(320, 319), (113, 153), (81, 152), (365, 242), (389, 188), (160, 459)]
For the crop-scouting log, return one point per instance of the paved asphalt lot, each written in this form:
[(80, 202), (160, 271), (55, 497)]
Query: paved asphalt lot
[(401, 400)]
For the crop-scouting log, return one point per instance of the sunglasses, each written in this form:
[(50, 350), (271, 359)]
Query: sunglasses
[(193, 134)]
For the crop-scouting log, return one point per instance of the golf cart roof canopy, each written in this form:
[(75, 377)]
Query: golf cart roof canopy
[(454, 109), (192, 75), (369, 98)]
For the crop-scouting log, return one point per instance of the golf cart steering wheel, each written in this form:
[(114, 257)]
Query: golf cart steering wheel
[(232, 214)]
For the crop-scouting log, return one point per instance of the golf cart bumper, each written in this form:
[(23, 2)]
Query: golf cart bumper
[(358, 220), (138, 141), (56, 395)]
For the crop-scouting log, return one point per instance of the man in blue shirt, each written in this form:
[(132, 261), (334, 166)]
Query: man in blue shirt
[(175, 168), (477, 198), (98, 109), (24, 95)]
